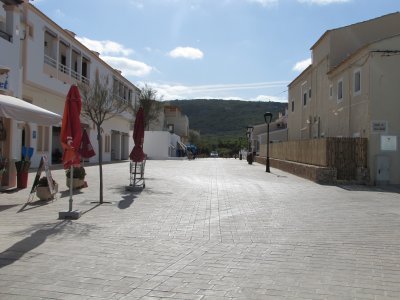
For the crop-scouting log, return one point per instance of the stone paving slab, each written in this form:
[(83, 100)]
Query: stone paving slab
[(203, 229)]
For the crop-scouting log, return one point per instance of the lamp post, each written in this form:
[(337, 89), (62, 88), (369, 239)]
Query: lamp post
[(240, 148), (250, 153), (268, 119)]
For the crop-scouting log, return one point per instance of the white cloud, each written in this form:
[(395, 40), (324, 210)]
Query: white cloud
[(105, 47), (266, 98), (323, 2), (302, 65), (219, 91), (186, 52), (116, 55), (129, 67), (264, 2)]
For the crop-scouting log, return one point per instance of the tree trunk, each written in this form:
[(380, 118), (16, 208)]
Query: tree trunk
[(100, 143)]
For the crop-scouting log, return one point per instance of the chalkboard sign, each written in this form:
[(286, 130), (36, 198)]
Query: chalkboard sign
[(44, 166)]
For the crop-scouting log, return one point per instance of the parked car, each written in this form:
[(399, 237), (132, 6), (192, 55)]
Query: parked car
[(214, 154)]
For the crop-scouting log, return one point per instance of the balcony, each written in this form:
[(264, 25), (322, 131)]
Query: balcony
[(62, 72)]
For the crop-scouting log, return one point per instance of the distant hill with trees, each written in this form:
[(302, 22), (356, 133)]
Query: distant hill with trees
[(222, 123), (226, 117)]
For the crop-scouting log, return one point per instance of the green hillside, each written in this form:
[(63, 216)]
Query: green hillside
[(222, 123), (223, 118)]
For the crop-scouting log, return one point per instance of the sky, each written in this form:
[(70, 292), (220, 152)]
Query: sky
[(200, 49)]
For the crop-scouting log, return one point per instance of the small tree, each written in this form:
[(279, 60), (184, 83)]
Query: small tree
[(98, 105), (152, 107), (194, 137)]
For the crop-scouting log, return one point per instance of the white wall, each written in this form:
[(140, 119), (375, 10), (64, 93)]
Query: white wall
[(156, 144)]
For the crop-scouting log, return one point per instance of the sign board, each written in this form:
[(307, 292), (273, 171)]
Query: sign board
[(43, 166), (379, 126), (389, 143)]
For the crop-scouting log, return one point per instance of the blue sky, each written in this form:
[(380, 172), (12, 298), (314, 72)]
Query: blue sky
[(228, 49)]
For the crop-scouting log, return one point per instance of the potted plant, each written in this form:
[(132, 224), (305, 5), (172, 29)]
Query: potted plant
[(43, 191), (78, 177)]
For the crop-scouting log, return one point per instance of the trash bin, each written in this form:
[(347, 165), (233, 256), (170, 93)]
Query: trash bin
[(22, 167), (22, 180)]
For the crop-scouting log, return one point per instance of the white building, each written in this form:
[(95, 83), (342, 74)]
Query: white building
[(40, 61)]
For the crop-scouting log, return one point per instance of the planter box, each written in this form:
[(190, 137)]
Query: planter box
[(76, 183), (43, 192)]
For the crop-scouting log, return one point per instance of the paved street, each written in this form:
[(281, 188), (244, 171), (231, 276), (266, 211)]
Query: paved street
[(203, 229)]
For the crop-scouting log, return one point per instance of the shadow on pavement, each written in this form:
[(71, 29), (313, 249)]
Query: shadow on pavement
[(127, 201), (35, 204), (90, 209), (65, 193), (128, 195), (38, 237), (367, 188), (5, 207)]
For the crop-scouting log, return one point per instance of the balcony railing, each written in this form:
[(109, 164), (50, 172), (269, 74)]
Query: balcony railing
[(5, 36), (50, 61), (85, 79), (65, 69), (75, 75), (119, 98)]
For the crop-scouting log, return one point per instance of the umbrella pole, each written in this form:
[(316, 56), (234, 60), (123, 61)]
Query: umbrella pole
[(71, 176), (70, 214)]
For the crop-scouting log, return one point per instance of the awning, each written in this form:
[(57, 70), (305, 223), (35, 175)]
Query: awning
[(17, 109)]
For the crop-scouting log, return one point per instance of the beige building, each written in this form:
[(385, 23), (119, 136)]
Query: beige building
[(352, 89), (177, 122)]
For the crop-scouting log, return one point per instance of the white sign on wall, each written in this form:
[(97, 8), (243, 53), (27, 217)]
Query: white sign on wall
[(389, 143)]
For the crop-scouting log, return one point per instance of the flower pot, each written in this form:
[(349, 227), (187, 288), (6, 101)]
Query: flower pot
[(43, 192), (76, 183)]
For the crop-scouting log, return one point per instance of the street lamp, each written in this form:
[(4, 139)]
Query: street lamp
[(249, 154), (268, 119), (240, 148)]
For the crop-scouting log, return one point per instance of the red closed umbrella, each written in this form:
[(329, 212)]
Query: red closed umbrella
[(86, 148), (71, 133), (137, 154)]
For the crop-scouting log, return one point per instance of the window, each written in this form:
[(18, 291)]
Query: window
[(29, 28), (309, 93), (357, 82), (304, 93), (43, 134), (107, 143), (340, 90), (330, 91), (292, 105)]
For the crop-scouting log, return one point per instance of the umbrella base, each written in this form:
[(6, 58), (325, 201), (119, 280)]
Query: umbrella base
[(134, 188), (72, 215)]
